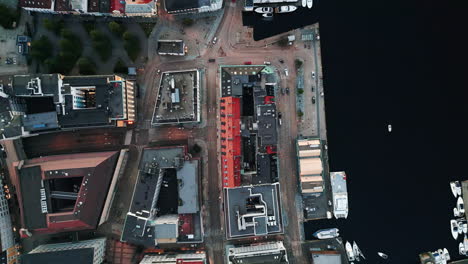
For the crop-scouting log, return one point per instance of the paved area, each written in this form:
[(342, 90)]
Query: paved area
[(8, 48)]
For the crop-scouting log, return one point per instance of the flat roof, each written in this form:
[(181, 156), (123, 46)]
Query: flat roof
[(31, 181), (186, 109), (179, 5), (245, 221), (71, 256), (171, 46), (40, 121), (188, 188), (267, 120)]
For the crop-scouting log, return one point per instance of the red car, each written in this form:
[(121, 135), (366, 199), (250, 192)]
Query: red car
[(247, 63)]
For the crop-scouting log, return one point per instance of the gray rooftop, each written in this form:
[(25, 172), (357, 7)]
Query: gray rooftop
[(179, 5), (171, 46), (163, 231), (72, 256), (266, 117), (30, 183), (188, 189), (233, 78), (257, 205), (40, 121)]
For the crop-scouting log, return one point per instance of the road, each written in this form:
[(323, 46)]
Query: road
[(230, 51)]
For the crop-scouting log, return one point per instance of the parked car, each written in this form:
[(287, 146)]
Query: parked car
[(287, 91), (286, 72), (266, 62), (279, 118), (313, 99), (313, 75), (281, 60), (211, 60), (248, 63), (215, 40)]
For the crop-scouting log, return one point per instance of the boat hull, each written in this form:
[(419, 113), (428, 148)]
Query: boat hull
[(310, 3)]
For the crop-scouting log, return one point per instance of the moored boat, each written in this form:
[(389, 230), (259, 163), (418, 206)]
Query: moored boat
[(454, 229), (304, 3), (382, 255), (349, 251), (456, 188), (326, 233), (310, 3), (340, 194), (357, 252), (285, 9), (264, 10), (460, 206)]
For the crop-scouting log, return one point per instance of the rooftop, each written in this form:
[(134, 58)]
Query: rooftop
[(167, 188), (64, 192), (253, 211), (270, 252), (171, 47), (73, 256), (45, 4), (178, 99)]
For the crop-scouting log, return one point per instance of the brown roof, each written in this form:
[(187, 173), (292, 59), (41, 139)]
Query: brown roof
[(62, 5), (46, 4), (93, 6)]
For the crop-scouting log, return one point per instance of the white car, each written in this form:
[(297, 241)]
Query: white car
[(313, 75), (286, 72), (215, 40)]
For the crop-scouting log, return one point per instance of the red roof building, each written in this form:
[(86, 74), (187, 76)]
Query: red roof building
[(230, 141), (63, 192)]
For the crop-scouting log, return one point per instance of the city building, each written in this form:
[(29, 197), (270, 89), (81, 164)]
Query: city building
[(248, 126), (82, 252), (64, 192), (165, 207), (310, 166), (141, 8), (171, 47), (269, 252), (53, 102), (326, 257), (178, 98), (8, 252), (192, 6), (253, 211), (175, 258)]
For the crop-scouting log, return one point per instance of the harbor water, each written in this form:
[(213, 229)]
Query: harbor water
[(401, 63)]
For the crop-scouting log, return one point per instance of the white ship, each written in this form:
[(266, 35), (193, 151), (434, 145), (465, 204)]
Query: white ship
[(310, 3), (264, 10), (461, 249), (349, 251), (389, 128), (454, 229), (357, 252), (441, 256), (382, 255), (304, 3), (326, 233), (340, 194), (456, 188), (285, 9), (460, 206), (456, 213)]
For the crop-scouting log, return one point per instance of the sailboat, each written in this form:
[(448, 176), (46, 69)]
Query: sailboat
[(382, 255), (310, 3), (357, 252), (349, 251), (304, 3)]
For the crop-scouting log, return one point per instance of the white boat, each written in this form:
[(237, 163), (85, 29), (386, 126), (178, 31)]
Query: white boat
[(455, 212), (326, 233), (382, 255), (340, 194), (304, 3), (460, 206), (461, 249), (446, 254), (285, 9), (268, 15), (357, 251), (264, 10), (389, 128), (310, 3), (456, 188), (349, 251), (454, 229)]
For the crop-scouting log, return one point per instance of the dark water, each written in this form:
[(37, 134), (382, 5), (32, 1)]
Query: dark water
[(403, 63)]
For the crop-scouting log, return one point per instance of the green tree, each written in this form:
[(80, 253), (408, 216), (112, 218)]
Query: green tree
[(120, 67), (53, 26), (102, 44), (283, 42), (300, 113), (115, 28), (300, 91), (131, 45), (8, 16), (298, 63), (41, 49), (86, 66)]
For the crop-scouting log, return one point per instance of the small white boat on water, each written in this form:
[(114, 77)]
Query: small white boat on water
[(310, 3), (454, 229), (461, 249), (382, 255), (441, 256), (349, 251), (285, 9), (357, 252), (326, 233), (456, 188), (304, 3), (389, 127), (264, 10), (455, 212), (460, 206)]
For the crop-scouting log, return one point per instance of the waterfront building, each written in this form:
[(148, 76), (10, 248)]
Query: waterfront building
[(82, 252), (253, 211), (192, 6), (165, 207), (269, 252)]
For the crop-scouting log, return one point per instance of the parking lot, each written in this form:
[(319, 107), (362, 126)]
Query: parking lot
[(10, 60)]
